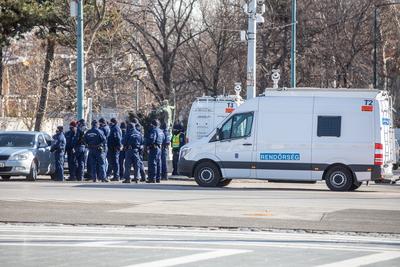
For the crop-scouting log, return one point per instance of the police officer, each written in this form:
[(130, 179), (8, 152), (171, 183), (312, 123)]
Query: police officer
[(141, 151), (80, 149), (132, 142), (70, 136), (178, 141), (106, 131), (154, 141), (122, 152), (96, 143), (164, 151), (114, 143), (58, 148)]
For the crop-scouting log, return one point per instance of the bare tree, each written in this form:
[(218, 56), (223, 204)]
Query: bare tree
[(161, 28)]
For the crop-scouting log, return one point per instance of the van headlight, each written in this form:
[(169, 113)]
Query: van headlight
[(184, 152), (20, 156)]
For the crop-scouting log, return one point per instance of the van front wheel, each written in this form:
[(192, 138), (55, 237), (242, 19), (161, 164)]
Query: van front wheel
[(207, 174), (339, 179)]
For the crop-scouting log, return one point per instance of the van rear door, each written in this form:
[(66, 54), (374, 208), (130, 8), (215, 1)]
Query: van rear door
[(387, 136)]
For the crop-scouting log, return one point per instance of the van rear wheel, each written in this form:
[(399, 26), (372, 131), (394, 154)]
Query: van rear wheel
[(339, 178), (207, 174)]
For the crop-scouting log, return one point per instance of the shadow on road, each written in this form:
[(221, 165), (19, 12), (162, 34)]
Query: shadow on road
[(192, 187)]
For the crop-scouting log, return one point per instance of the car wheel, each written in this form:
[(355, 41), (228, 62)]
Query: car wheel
[(5, 177), (33, 172), (395, 166), (224, 182), (207, 174), (339, 179)]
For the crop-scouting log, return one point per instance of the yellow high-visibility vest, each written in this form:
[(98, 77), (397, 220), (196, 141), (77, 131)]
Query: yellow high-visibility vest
[(176, 141)]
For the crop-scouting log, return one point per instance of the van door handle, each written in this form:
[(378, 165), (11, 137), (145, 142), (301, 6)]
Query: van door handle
[(247, 144)]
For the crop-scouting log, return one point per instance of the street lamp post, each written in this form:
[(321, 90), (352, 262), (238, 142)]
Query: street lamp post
[(80, 93), (375, 66), (293, 48), (76, 7)]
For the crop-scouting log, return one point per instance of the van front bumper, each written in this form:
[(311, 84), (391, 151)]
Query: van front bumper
[(185, 167)]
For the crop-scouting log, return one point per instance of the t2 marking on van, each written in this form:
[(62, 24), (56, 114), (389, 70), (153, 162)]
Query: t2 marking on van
[(279, 156), (367, 105)]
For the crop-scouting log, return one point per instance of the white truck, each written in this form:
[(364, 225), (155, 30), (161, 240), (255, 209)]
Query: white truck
[(207, 112), (342, 136)]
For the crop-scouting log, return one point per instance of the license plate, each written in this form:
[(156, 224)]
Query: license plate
[(1, 164)]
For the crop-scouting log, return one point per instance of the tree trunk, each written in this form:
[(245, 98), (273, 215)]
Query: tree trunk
[(41, 109), (1, 83), (1, 72)]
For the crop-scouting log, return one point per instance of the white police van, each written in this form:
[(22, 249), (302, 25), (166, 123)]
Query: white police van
[(207, 112), (342, 136)]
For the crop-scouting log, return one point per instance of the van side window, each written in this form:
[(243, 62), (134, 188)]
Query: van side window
[(238, 126), (329, 126)]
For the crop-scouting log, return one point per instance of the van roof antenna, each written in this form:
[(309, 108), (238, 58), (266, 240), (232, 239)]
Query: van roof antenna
[(276, 76)]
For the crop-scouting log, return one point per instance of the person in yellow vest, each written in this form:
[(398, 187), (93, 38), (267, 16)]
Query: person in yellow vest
[(178, 141)]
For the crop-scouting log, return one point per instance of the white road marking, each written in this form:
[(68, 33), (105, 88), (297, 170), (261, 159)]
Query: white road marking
[(195, 232), (99, 245), (99, 241), (207, 244), (364, 260), (191, 258)]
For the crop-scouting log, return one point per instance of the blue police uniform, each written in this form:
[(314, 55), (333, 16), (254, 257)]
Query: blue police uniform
[(114, 146), (96, 143), (69, 148), (164, 154), (141, 154), (154, 141), (79, 149), (132, 142), (122, 155), (58, 148), (106, 131)]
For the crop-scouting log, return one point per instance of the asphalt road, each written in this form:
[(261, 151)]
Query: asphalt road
[(251, 204), (51, 245)]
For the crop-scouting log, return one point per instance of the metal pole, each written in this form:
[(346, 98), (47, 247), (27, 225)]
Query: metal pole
[(293, 48), (251, 49), (137, 96), (80, 93), (375, 78)]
